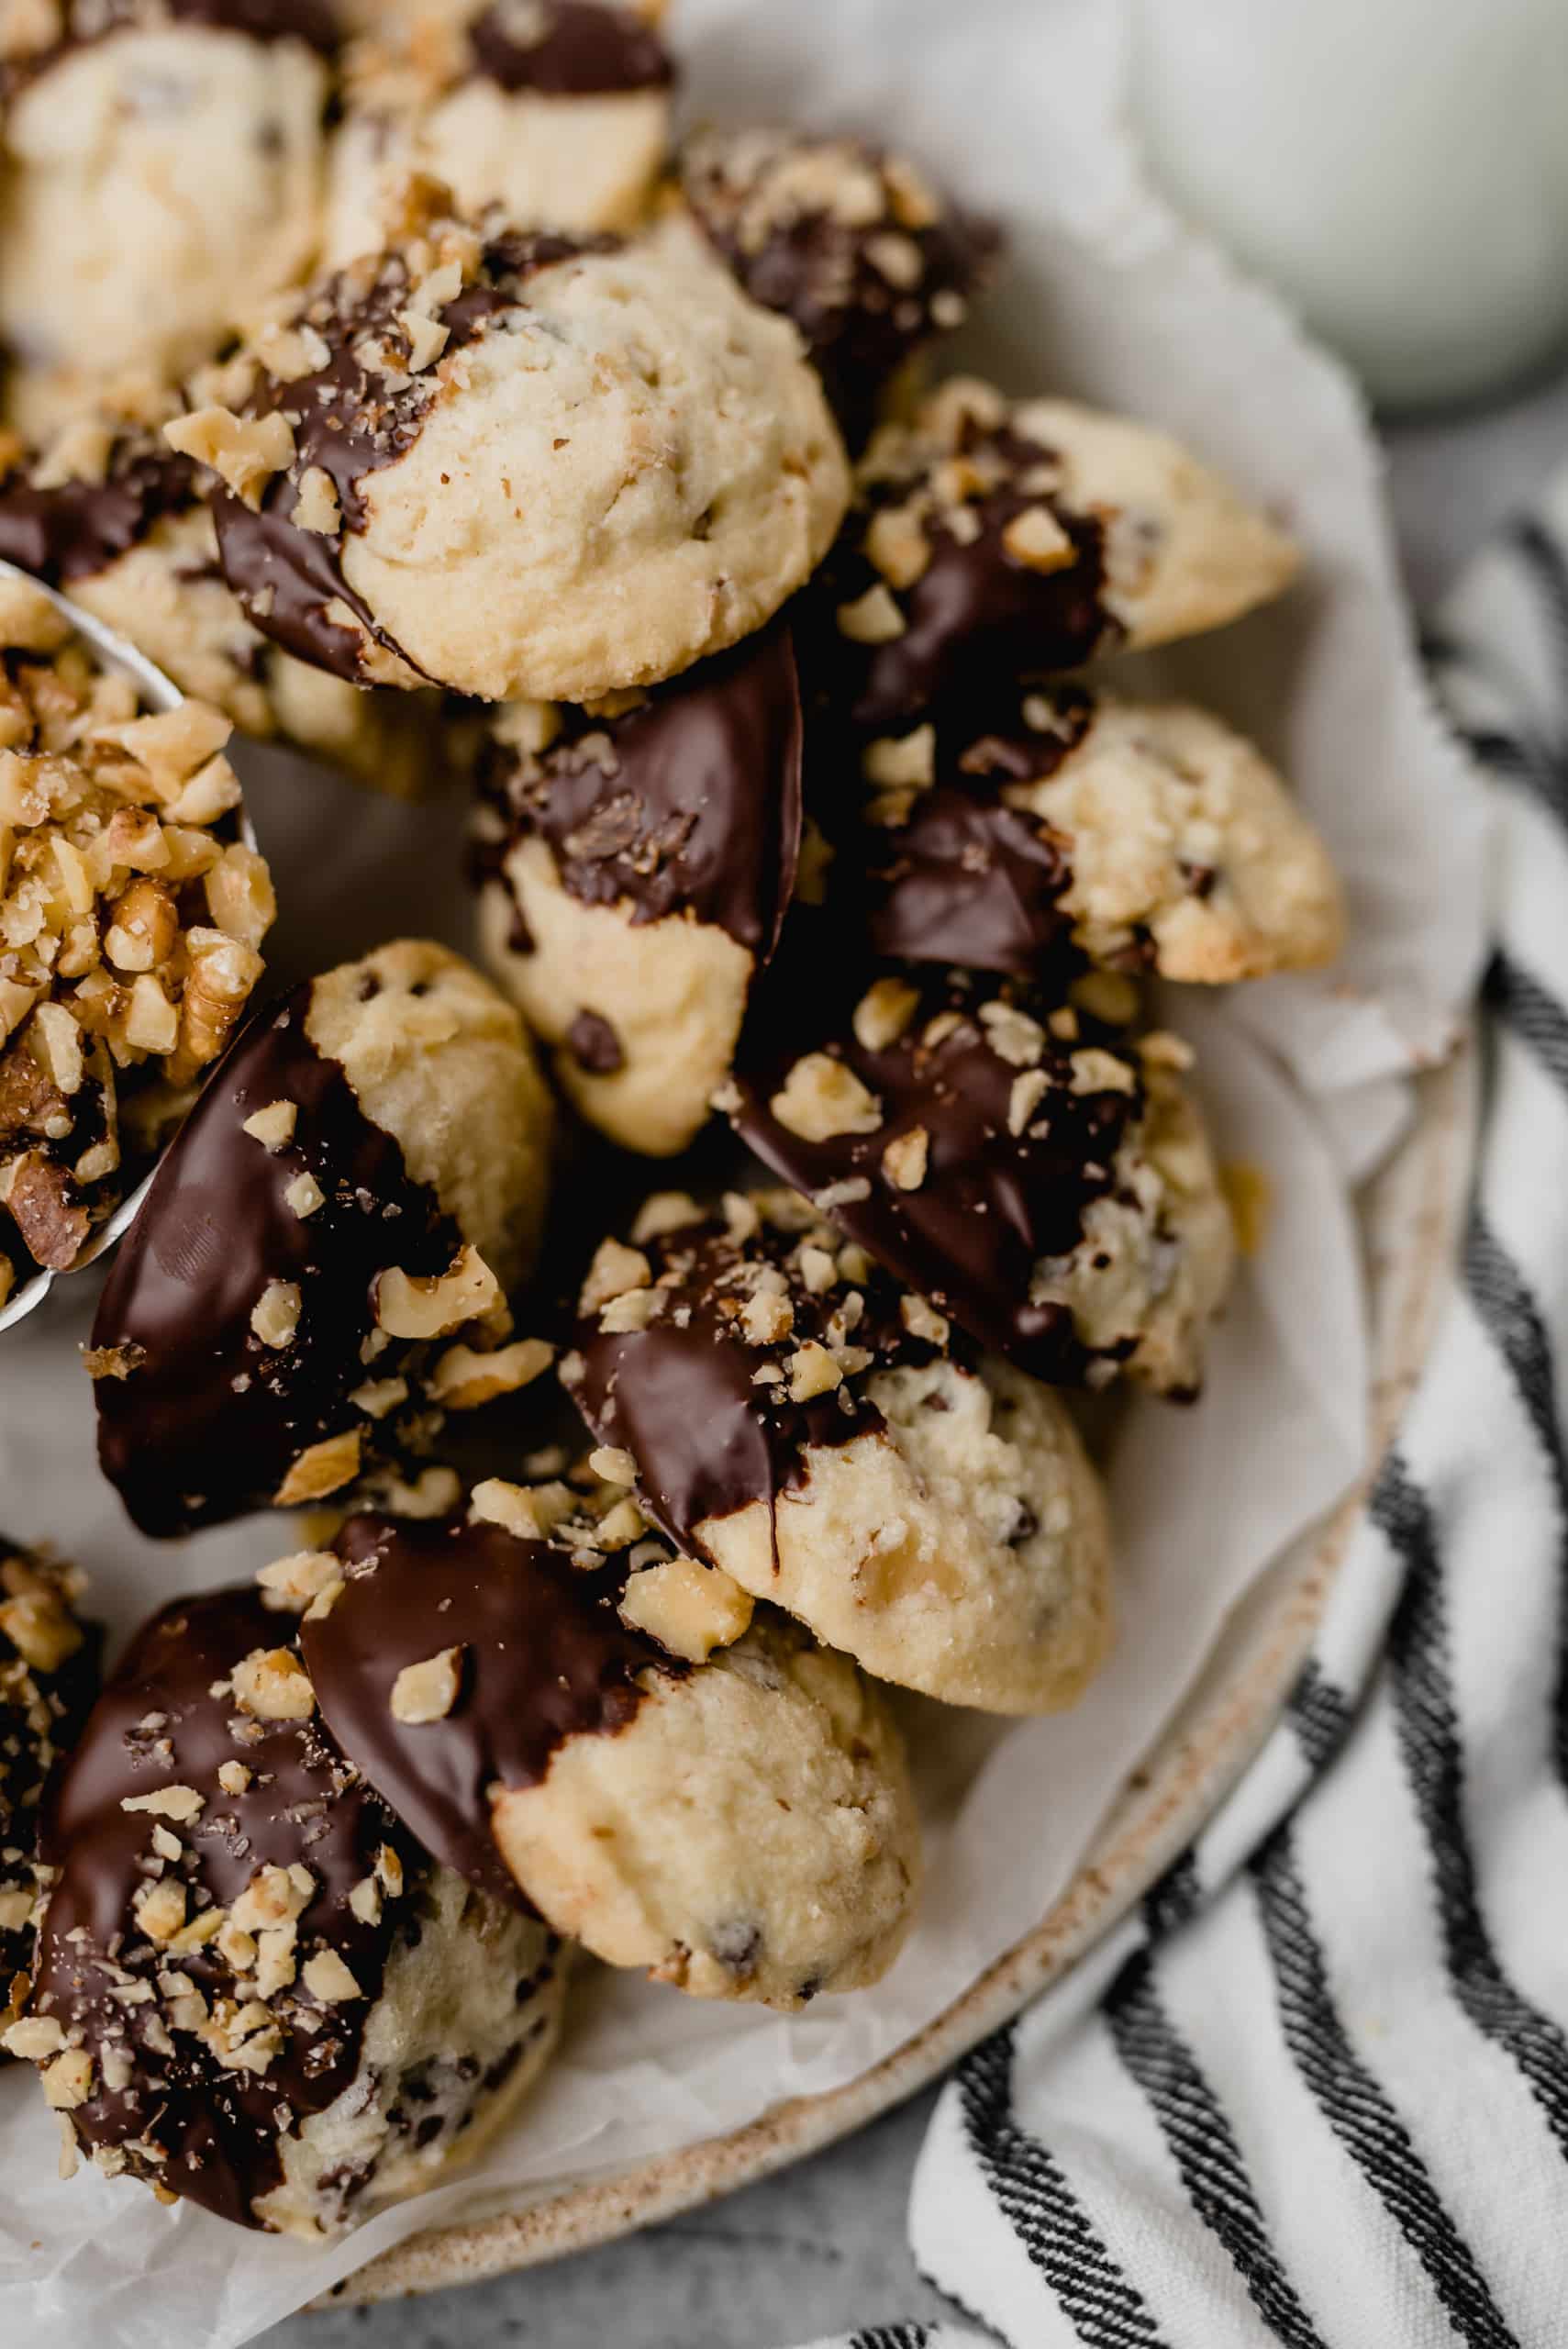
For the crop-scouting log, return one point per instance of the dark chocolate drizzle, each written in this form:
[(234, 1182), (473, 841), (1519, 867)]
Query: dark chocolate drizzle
[(583, 50), (159, 1723), (993, 1204), (78, 527), (813, 267), (951, 873), (351, 421), (210, 1422), (689, 803), (682, 1396), (42, 1715), (976, 618), (545, 1658), (91, 21)]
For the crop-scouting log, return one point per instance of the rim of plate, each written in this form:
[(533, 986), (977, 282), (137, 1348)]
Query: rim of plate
[(1409, 1216)]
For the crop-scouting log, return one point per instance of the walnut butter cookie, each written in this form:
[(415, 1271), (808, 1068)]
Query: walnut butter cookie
[(252, 1988), (996, 539), (185, 139), (49, 1675), (131, 916), (835, 1445), (1040, 1178), (564, 1711), (634, 862), (871, 260), (1010, 832), (556, 111), (519, 466), (108, 511), (320, 1268)]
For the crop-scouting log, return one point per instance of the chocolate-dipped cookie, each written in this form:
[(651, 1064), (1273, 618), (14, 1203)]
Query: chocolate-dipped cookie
[(108, 511), (1043, 1181), (131, 916), (562, 1707), (183, 137), (994, 538), (322, 1261), (49, 1673), (520, 466), (252, 1988), (1015, 831), (634, 870), (555, 111), (856, 246), (836, 1445)]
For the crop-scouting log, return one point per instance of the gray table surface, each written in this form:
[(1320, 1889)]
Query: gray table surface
[(821, 2248)]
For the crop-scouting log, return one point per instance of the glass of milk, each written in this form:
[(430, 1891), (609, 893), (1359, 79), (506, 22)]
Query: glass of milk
[(1399, 168)]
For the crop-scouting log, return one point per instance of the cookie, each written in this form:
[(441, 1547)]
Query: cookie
[(1035, 820), (995, 539), (131, 913), (363, 1179), (109, 512), (871, 261), (252, 1988), (49, 1671), (734, 1816), (185, 141), (1042, 1180), (522, 468), (634, 869), (837, 1446), (555, 111)]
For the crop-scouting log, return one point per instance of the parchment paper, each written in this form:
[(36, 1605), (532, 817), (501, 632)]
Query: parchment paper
[(1016, 101)]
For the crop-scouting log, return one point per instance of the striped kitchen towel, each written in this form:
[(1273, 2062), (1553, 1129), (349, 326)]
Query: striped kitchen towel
[(1317, 2092)]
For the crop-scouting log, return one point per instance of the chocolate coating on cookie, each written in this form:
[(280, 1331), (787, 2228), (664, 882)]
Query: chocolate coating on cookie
[(963, 1150), (204, 1421), (349, 418), (929, 592), (701, 1398), (49, 1675), (200, 2067), (543, 1657), (86, 21), (852, 244), (73, 529), (567, 48), (688, 803)]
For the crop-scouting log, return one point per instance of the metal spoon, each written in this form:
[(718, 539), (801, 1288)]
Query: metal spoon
[(158, 692)]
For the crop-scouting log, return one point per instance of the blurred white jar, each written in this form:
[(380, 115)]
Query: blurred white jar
[(1399, 168)]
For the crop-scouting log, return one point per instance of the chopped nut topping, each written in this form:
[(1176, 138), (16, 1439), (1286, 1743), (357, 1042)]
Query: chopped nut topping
[(68, 2081), (871, 619), (663, 1212), (1028, 1090), (922, 1320), (293, 1582), (689, 1609), (1036, 539), (1099, 1072), (274, 1125), (316, 507), (244, 452), (275, 1318), (427, 1691), (821, 1098), (616, 1468), (463, 1379), (304, 1195), (167, 1802), (614, 1271), (883, 1012), (812, 1371), (906, 762), (327, 1977), (273, 1685), (1012, 1035), (321, 1469), (530, 1511), (410, 1307), (904, 1160)]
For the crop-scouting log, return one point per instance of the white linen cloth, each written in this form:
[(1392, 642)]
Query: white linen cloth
[(1316, 2092)]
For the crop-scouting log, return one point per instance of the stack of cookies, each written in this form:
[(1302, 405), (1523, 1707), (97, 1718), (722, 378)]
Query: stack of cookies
[(473, 421)]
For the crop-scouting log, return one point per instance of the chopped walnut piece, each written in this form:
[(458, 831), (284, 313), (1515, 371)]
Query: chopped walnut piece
[(321, 1469), (275, 1317), (922, 1319), (1036, 539), (68, 2081), (274, 1125), (663, 1212), (167, 1802), (1029, 1088), (317, 507), (613, 1465), (463, 1379), (303, 1195), (871, 619), (615, 1269), (1012, 1035), (273, 1685), (427, 1691), (689, 1609), (530, 1511), (327, 1977), (292, 1583), (244, 452), (409, 1306), (812, 1371), (883, 1012), (821, 1098), (634, 1309), (901, 762), (904, 1160), (1099, 1072)]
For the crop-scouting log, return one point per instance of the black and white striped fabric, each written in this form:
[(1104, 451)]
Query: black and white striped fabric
[(1317, 2092)]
